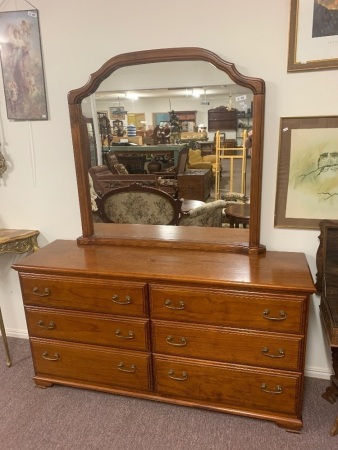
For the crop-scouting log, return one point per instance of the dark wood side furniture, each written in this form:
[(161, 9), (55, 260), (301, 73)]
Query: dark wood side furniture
[(238, 215), (221, 119), (194, 184), (327, 286), (221, 331)]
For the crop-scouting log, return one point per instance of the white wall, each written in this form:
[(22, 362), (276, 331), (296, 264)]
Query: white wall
[(39, 191)]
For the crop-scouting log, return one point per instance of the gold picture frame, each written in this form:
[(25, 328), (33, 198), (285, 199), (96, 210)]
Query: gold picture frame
[(313, 42), (307, 177)]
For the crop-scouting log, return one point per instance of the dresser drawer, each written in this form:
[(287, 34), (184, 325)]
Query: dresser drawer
[(84, 294), (228, 386), (229, 309), (99, 366), (88, 328), (232, 346)]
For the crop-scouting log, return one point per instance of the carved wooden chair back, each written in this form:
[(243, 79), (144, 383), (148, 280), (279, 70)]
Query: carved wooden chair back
[(139, 204)]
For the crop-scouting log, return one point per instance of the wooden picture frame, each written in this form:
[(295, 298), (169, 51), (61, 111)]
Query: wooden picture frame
[(313, 41), (22, 65), (307, 178)]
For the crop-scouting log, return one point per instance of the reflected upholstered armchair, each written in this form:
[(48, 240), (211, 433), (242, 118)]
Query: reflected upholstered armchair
[(197, 161), (137, 204), (208, 215)]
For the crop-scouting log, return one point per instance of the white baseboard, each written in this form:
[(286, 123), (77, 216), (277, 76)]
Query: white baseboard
[(12, 332), (312, 372), (317, 372)]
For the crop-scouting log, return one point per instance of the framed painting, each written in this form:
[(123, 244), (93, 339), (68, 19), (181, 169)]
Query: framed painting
[(307, 178), (117, 112), (313, 36), (22, 65)]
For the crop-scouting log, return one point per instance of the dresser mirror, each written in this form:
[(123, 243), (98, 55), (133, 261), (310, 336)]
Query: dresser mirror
[(167, 72)]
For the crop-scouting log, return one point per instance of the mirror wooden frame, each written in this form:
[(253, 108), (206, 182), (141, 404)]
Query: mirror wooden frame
[(227, 240)]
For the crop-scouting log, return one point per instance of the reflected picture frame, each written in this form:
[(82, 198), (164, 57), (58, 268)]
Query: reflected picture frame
[(117, 112), (313, 42), (307, 172), (22, 65)]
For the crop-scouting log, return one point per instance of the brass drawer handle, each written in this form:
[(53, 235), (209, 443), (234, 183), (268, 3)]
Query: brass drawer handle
[(116, 299), (168, 304), (47, 292), (182, 342), (277, 390), (171, 374), (51, 325), (280, 353), (266, 313), (124, 369), (45, 355), (120, 335)]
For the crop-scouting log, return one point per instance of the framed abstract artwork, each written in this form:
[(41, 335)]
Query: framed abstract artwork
[(22, 65), (307, 177), (313, 37)]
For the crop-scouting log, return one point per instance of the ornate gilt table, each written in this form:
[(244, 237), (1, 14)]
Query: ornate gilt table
[(15, 241)]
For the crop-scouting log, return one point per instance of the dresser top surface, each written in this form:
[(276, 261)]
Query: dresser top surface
[(285, 271)]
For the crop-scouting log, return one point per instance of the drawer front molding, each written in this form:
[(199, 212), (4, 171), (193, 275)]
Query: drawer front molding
[(85, 294), (88, 328), (227, 345), (257, 311)]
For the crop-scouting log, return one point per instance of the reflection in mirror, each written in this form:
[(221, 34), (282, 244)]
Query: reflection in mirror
[(156, 115), (136, 125)]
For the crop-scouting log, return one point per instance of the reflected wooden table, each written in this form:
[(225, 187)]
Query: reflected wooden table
[(15, 241), (238, 214)]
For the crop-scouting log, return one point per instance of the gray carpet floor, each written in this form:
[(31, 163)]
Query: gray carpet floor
[(63, 418)]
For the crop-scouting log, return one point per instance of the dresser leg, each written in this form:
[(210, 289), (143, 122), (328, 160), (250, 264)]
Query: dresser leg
[(42, 383)]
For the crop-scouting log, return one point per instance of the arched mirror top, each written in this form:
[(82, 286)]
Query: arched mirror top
[(213, 239), (76, 96)]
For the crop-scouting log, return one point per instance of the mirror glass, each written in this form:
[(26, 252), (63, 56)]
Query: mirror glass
[(135, 102)]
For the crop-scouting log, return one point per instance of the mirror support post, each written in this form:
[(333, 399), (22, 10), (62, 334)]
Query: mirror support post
[(256, 168), (80, 142)]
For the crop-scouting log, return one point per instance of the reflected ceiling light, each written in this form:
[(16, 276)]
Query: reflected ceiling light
[(131, 96), (197, 93), (194, 92)]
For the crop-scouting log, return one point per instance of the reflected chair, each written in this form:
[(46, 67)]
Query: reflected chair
[(167, 180), (103, 180), (207, 215), (197, 161), (137, 204)]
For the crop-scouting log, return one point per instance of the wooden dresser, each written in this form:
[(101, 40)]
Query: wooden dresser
[(220, 331)]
